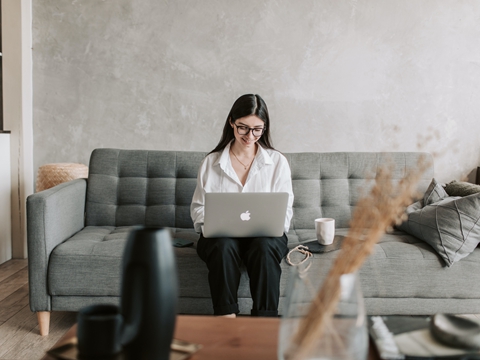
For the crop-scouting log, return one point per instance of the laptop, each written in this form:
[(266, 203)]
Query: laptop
[(245, 214)]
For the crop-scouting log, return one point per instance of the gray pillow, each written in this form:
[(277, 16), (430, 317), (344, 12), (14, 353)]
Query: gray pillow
[(461, 188), (434, 193), (450, 225)]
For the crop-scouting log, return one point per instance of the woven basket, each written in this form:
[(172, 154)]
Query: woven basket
[(50, 175)]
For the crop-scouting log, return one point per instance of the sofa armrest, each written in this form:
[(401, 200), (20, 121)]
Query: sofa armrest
[(53, 216)]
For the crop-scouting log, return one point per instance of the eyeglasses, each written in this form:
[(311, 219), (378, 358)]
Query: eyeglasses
[(244, 130)]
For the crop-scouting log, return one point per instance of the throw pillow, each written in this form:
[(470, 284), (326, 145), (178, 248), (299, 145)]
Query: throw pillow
[(434, 193), (451, 225), (460, 188)]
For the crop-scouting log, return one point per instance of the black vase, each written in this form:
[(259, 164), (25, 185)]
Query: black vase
[(149, 294)]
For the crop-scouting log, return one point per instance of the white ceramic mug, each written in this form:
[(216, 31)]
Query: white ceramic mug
[(325, 229)]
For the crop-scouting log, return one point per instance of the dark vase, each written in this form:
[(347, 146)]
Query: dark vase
[(149, 294)]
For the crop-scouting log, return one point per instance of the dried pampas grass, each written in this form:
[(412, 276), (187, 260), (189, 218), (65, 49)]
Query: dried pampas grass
[(374, 214)]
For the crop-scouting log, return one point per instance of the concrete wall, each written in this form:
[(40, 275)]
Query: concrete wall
[(359, 75)]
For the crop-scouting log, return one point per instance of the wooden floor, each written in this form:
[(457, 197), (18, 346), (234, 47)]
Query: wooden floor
[(19, 335)]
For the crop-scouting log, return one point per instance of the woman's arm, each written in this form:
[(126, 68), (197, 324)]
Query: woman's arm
[(284, 184), (198, 200)]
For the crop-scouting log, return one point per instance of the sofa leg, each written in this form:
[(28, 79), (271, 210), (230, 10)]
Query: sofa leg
[(43, 318)]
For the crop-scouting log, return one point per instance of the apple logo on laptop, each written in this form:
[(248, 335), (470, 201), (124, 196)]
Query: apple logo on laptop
[(245, 216)]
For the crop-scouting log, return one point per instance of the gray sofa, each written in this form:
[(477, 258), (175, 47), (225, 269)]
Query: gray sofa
[(77, 232)]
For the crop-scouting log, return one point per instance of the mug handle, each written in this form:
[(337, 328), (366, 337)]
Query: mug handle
[(133, 302)]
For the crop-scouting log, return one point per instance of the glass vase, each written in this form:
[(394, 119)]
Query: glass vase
[(344, 335)]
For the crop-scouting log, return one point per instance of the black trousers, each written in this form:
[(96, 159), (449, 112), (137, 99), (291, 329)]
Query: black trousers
[(261, 256)]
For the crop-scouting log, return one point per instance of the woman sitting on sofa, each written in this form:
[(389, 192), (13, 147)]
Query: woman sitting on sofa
[(243, 161)]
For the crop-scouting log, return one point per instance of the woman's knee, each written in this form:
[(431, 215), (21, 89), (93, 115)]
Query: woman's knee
[(221, 247), (269, 245), (262, 244)]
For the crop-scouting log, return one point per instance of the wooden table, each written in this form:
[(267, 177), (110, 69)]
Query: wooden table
[(225, 338)]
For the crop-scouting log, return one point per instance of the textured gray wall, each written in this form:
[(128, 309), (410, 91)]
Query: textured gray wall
[(359, 75)]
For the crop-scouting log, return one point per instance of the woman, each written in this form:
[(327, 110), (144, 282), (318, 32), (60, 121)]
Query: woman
[(243, 161)]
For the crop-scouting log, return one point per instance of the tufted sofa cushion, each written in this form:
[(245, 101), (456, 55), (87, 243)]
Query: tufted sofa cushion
[(139, 187), (155, 188), (330, 184)]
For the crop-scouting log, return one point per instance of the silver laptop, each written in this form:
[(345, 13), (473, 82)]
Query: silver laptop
[(245, 214)]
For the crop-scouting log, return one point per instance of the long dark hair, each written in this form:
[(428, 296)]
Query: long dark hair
[(246, 105)]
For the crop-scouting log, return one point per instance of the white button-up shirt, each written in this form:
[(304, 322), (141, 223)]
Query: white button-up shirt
[(269, 172)]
